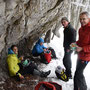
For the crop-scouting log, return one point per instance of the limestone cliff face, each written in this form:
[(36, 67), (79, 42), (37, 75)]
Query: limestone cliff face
[(22, 22)]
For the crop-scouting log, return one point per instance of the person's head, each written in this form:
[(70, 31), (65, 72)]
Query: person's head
[(15, 49), (84, 18), (40, 41), (64, 21)]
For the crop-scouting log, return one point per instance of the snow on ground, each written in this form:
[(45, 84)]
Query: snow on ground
[(57, 44)]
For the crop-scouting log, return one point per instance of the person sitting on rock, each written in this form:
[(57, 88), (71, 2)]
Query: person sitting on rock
[(39, 49), (14, 69)]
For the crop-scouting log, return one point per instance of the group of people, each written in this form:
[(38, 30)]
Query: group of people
[(82, 49), (18, 67), (39, 49)]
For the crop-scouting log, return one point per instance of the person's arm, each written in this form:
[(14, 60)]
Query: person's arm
[(20, 76), (86, 49), (73, 35), (39, 49), (44, 47), (21, 58)]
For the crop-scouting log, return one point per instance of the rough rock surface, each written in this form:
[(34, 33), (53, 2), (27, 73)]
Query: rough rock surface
[(28, 83), (22, 22)]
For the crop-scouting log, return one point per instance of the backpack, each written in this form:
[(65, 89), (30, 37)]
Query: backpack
[(47, 55), (60, 73), (48, 86)]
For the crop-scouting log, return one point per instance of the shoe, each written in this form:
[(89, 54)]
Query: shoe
[(45, 74), (45, 62), (54, 57), (69, 76)]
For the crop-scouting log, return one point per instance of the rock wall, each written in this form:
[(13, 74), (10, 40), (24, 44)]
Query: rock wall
[(76, 7), (22, 22)]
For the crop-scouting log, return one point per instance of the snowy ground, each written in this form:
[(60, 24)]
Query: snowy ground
[(57, 44)]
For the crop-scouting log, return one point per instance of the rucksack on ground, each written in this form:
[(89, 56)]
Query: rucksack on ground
[(47, 55), (60, 73), (48, 86)]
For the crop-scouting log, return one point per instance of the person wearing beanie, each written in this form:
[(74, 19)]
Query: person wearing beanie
[(69, 37)]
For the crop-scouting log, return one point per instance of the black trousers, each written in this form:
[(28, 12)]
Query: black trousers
[(67, 62), (28, 69), (79, 80), (41, 56)]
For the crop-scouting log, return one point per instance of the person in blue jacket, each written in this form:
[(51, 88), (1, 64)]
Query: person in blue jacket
[(39, 49)]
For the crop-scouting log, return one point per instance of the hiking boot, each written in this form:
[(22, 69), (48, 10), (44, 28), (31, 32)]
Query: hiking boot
[(45, 62), (70, 76), (54, 57), (45, 74)]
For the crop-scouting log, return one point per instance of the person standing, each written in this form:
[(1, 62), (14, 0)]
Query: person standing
[(83, 50), (69, 37)]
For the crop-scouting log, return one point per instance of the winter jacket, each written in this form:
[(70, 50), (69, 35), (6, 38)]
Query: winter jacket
[(69, 36), (84, 42), (38, 49), (12, 61)]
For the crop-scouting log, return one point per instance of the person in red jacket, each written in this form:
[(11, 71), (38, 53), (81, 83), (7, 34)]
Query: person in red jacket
[(83, 49)]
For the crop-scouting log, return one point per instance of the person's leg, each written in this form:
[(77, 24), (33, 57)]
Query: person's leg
[(36, 55), (36, 72), (27, 70), (41, 73), (67, 63), (43, 60), (79, 80)]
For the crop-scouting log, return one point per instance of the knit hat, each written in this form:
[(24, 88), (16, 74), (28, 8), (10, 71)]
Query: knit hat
[(64, 18)]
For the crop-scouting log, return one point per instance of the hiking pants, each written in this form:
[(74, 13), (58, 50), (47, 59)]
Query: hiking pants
[(67, 62), (41, 56), (79, 80)]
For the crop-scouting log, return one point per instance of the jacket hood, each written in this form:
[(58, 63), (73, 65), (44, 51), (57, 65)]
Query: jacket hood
[(40, 40), (10, 51)]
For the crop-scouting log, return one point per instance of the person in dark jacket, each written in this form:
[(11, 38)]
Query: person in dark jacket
[(69, 37), (39, 49), (83, 50)]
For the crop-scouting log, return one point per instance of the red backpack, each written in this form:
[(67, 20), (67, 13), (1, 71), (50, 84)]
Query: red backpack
[(47, 55), (48, 86)]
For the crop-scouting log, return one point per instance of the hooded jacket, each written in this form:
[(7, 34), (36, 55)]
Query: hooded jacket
[(12, 61), (38, 49), (84, 42)]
